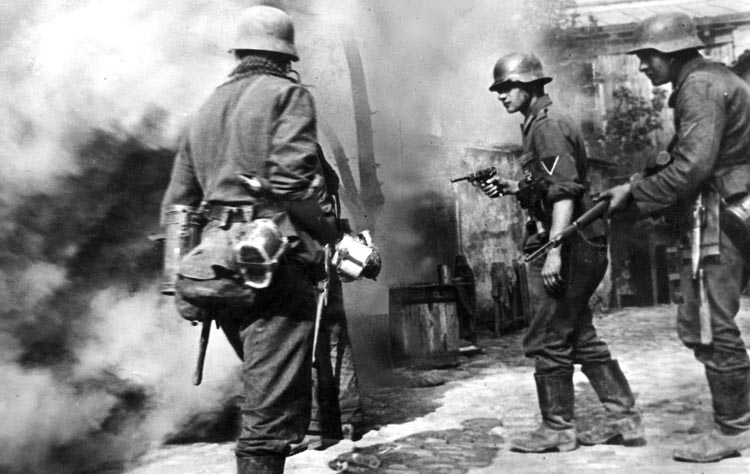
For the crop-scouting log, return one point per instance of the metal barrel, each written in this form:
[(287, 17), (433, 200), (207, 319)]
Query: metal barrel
[(182, 228), (444, 274)]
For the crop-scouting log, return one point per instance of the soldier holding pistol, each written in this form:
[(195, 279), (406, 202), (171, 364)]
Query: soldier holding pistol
[(259, 127), (710, 166), (561, 333)]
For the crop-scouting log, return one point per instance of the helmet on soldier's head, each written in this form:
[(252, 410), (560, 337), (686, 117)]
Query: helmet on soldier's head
[(666, 33), (264, 28), (517, 67)]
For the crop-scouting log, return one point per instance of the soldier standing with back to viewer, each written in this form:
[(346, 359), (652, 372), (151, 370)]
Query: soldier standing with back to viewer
[(561, 333), (262, 122), (337, 410), (710, 158)]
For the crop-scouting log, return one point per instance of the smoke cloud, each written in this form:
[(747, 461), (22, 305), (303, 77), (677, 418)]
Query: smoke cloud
[(95, 93)]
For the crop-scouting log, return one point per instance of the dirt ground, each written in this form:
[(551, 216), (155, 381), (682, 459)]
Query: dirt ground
[(458, 420)]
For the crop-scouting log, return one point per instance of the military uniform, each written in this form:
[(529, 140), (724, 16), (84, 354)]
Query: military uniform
[(262, 122), (336, 399), (561, 332), (710, 155)]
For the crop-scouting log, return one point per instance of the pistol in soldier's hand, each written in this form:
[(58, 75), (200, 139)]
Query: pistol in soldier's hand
[(491, 187), (496, 187)]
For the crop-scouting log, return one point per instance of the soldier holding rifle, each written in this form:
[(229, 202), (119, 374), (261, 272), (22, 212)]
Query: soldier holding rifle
[(561, 333), (250, 156), (709, 173)]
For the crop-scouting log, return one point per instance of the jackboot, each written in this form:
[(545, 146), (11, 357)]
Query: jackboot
[(271, 464), (557, 431), (730, 394), (614, 392)]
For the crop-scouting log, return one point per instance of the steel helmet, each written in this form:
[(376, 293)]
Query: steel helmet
[(666, 33), (517, 67), (264, 28)]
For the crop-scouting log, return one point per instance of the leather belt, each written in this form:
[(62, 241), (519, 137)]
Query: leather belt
[(228, 215)]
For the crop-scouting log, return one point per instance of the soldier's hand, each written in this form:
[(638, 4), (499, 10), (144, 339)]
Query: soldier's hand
[(619, 198), (495, 187), (552, 273)]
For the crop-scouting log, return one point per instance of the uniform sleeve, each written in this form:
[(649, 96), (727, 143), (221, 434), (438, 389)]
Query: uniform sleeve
[(556, 160), (702, 120), (293, 164), (331, 182), (184, 188)]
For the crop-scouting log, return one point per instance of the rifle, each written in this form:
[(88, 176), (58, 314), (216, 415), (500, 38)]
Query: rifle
[(481, 175), (576, 226), (698, 278)]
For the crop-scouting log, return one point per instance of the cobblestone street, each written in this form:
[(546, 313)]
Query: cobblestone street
[(459, 420)]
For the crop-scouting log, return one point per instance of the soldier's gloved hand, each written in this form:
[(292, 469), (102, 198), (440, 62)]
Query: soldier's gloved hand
[(552, 273), (496, 187), (619, 198)]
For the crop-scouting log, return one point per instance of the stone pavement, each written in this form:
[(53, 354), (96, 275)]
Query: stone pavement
[(458, 420)]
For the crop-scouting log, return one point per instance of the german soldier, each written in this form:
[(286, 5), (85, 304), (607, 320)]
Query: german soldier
[(261, 123), (337, 410), (561, 333), (709, 161)]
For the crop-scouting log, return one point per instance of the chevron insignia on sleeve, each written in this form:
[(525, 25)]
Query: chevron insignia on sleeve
[(549, 164)]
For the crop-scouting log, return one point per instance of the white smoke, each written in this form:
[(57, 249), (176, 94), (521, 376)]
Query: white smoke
[(85, 64)]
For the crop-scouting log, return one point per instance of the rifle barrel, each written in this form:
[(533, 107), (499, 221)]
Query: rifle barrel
[(584, 220), (592, 214)]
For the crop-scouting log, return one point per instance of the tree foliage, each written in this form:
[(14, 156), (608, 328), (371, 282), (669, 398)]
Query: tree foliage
[(628, 135)]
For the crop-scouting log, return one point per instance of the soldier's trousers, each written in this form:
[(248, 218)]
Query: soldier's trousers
[(336, 397), (277, 365), (724, 281), (561, 332)]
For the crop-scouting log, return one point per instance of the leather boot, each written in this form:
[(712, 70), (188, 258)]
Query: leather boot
[(271, 464), (730, 394), (614, 392), (557, 431)]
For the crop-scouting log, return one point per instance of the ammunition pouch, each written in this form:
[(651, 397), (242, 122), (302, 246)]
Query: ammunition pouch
[(526, 194), (735, 222), (182, 230)]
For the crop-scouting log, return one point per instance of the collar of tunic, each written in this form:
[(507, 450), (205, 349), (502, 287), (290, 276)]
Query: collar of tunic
[(541, 104)]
